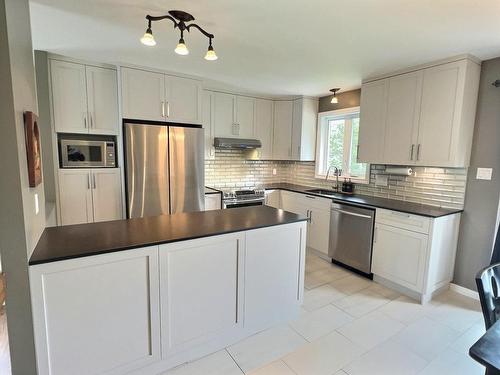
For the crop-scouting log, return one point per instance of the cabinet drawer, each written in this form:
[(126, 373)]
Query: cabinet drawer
[(420, 224)]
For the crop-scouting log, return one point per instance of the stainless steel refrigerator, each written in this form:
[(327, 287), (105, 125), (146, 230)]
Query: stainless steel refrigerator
[(164, 168)]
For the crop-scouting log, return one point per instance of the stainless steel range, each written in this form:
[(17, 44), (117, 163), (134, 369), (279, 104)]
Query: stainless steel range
[(243, 198)]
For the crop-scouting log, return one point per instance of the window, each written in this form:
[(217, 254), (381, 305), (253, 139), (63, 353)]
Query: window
[(338, 133)]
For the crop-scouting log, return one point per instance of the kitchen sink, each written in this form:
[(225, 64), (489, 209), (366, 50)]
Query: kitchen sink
[(324, 192)]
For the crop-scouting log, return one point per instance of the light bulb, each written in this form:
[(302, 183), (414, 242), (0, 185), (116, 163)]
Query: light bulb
[(211, 56), (335, 100), (181, 48), (148, 39)]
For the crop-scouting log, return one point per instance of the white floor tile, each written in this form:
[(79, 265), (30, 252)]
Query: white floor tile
[(265, 347), (324, 276), (457, 312), (314, 263), (387, 359), (324, 356), (384, 291), (320, 322), (361, 303), (371, 330), (464, 342), (275, 368), (404, 309), (219, 363), (452, 363), (426, 338), (351, 284), (320, 296)]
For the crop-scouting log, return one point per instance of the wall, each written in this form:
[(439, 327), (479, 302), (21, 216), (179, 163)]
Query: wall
[(20, 227), (478, 221), (346, 100)]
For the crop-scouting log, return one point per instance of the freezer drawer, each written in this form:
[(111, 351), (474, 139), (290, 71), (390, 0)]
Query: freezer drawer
[(351, 236)]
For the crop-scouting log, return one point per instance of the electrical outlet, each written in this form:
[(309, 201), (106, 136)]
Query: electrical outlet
[(274, 171), (484, 174), (37, 204)]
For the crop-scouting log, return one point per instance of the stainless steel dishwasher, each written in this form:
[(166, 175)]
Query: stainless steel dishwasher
[(351, 236)]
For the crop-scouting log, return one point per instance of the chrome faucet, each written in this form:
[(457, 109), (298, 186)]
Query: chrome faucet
[(337, 172)]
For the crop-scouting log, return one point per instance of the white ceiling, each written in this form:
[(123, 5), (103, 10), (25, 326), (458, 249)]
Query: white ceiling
[(280, 47)]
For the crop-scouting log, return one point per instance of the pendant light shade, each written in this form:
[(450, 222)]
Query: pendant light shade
[(334, 100), (181, 48), (211, 55), (148, 39)]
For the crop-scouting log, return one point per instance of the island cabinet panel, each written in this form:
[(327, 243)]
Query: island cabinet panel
[(274, 274), (201, 292), (97, 314)]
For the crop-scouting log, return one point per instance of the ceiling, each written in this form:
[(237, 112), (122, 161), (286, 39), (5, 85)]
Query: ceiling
[(278, 47)]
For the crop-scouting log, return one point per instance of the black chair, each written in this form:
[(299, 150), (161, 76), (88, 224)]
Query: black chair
[(488, 287)]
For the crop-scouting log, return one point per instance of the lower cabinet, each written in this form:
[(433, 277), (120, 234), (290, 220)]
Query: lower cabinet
[(213, 202), (89, 195), (97, 314)]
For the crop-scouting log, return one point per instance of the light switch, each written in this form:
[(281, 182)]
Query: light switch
[(484, 173), (274, 171), (381, 180)]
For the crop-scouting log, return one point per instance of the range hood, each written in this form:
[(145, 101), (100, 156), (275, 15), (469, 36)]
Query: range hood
[(237, 143)]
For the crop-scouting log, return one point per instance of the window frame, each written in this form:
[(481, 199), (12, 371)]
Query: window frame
[(322, 143)]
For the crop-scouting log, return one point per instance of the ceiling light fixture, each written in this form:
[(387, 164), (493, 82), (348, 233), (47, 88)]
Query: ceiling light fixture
[(334, 100), (180, 19)]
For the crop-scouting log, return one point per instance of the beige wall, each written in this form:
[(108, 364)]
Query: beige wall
[(346, 99), (20, 226)]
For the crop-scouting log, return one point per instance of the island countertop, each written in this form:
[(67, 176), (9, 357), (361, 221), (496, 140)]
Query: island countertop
[(75, 241)]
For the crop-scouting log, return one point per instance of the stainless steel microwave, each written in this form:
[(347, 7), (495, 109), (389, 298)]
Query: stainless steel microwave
[(76, 153)]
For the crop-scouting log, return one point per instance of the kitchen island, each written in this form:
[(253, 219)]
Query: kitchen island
[(144, 295)]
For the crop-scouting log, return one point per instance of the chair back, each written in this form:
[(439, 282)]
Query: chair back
[(488, 287)]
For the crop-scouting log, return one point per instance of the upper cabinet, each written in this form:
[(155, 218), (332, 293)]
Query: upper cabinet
[(424, 118), (264, 113), (234, 115), (283, 123), (159, 97), (305, 118), (84, 98)]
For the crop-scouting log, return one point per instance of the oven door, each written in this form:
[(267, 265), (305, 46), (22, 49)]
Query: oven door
[(242, 203), (83, 154)]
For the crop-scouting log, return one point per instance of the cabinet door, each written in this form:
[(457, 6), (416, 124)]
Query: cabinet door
[(399, 256), (296, 129), (440, 114), (201, 291), (75, 196), (69, 97), (273, 198), (106, 194), (102, 94), (183, 100), (305, 119), (208, 124), (283, 121), (98, 314), (403, 110), (224, 116), (245, 116), (318, 229), (143, 95), (264, 127), (212, 202), (372, 121), (293, 202), (271, 296)]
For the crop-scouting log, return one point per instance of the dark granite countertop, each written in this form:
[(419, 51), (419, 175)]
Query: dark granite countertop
[(366, 200), (209, 190), (75, 241), (486, 350)]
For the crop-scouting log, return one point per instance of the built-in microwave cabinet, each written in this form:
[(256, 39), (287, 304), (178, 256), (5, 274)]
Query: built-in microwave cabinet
[(156, 96), (84, 98), (424, 117)]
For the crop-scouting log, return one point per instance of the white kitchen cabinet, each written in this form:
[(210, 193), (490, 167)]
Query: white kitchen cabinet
[(156, 96), (84, 98), (414, 254), (272, 296), (305, 118), (264, 109), (97, 314), (373, 108), (106, 194), (403, 112), (273, 198), (224, 115), (102, 99), (283, 123), (213, 201), (89, 195), (201, 291), (245, 116), (69, 97), (208, 123), (75, 196), (424, 117)]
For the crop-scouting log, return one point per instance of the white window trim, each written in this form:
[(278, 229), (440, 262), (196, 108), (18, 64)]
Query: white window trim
[(347, 140)]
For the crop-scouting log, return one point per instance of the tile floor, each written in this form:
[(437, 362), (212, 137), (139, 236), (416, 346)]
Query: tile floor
[(353, 326)]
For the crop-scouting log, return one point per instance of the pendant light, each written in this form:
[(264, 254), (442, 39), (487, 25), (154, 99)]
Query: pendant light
[(148, 39), (210, 56), (334, 100)]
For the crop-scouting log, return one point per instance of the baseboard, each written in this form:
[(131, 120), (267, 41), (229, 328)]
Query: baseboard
[(464, 291)]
